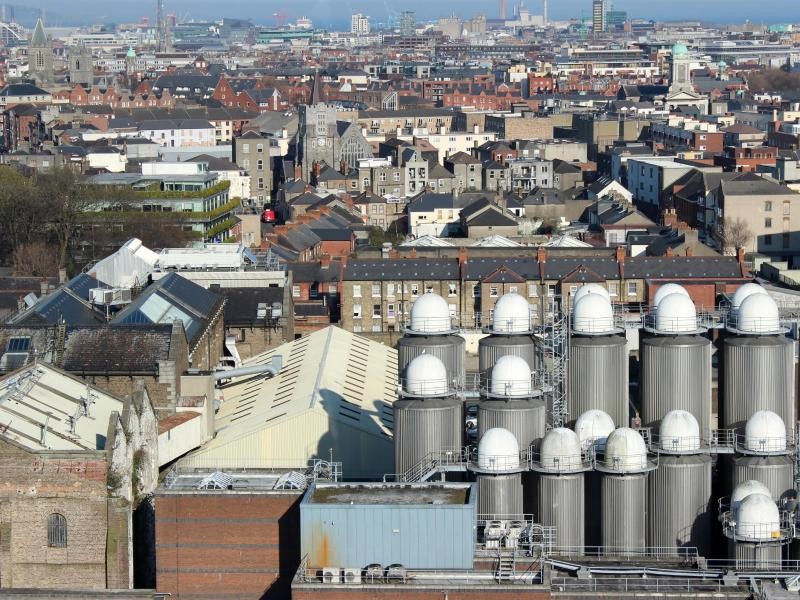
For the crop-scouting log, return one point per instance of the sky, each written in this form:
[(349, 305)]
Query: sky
[(337, 12)]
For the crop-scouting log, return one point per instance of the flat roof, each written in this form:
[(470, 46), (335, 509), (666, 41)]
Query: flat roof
[(391, 494)]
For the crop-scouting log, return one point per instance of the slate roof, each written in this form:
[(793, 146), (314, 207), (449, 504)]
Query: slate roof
[(491, 218), (241, 304), (116, 349), (429, 201), (70, 303), (401, 269)]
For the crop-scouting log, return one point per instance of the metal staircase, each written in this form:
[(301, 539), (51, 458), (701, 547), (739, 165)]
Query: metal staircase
[(506, 565), (556, 343), (438, 462)]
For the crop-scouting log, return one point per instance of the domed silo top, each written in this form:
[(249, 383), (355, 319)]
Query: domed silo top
[(593, 428), (560, 450), (758, 315), (430, 315), (590, 288), (626, 451), (744, 489), (679, 432), (498, 450), (676, 314), (745, 291), (765, 432), (426, 375), (593, 314), (511, 377), (667, 289), (512, 314), (758, 518)]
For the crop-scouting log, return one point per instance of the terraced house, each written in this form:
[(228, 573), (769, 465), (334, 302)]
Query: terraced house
[(377, 294)]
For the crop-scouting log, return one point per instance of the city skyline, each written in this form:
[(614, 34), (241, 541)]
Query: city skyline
[(326, 13)]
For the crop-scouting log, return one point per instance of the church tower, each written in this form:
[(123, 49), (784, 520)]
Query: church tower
[(81, 66), (681, 75), (40, 55)]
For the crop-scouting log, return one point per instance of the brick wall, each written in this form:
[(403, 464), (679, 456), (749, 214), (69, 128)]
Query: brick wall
[(226, 545), (404, 593)]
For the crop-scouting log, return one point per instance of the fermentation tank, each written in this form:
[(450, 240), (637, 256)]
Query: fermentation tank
[(430, 331), (679, 497), (764, 453), (510, 333), (758, 362), (498, 471), (754, 527), (593, 428), (597, 375), (675, 365), (428, 417)]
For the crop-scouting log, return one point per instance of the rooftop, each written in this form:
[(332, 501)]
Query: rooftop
[(394, 494)]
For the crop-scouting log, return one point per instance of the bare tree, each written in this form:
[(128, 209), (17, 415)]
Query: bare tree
[(734, 235), (35, 259)]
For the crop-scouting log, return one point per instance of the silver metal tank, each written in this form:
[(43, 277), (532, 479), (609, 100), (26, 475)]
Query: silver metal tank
[(450, 349), (675, 375), (679, 503), (500, 494), (624, 513), (526, 419), (492, 347), (561, 505), (756, 556), (775, 472), (423, 426), (758, 374), (598, 377)]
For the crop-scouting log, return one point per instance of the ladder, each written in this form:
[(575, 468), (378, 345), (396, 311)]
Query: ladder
[(61, 339), (556, 341)]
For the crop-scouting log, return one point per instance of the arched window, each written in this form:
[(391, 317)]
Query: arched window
[(57, 531)]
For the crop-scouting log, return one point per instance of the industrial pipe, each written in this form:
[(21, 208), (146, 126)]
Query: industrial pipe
[(272, 368)]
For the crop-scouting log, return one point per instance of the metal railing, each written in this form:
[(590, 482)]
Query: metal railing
[(430, 464), (637, 584), (764, 445), (423, 388)]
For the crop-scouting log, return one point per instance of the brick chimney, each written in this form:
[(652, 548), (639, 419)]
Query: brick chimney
[(541, 254), (462, 256), (413, 253), (689, 251), (620, 254), (325, 261), (670, 252)]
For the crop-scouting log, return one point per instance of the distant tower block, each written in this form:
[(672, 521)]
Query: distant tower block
[(544, 11), (502, 10)]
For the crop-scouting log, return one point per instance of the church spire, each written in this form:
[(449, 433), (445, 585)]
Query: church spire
[(316, 89), (39, 38)]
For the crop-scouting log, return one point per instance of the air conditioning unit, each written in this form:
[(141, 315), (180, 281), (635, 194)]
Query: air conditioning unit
[(331, 575), (351, 575)]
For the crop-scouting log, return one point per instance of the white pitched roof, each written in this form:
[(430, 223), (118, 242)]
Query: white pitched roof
[(39, 403), (427, 241), (335, 392), (495, 241)]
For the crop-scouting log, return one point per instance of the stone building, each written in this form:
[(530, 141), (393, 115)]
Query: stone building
[(40, 55), (69, 485), (325, 139)]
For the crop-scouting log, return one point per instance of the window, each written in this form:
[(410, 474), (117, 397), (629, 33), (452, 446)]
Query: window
[(613, 288), (356, 311), (376, 311), (787, 208), (366, 182), (767, 223), (513, 289), (532, 291), (246, 164), (451, 309), (451, 289), (57, 531), (261, 183), (632, 288), (390, 290), (390, 311), (573, 289), (414, 289), (551, 289), (429, 289), (376, 290), (295, 291), (260, 165), (260, 148), (476, 291), (493, 291), (396, 176), (245, 148), (356, 291), (768, 206)]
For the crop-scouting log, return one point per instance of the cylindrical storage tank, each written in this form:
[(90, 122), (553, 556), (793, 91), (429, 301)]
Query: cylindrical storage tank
[(450, 349), (679, 498), (775, 472), (500, 495), (492, 347), (526, 419), (499, 475), (561, 504), (766, 557), (597, 377), (755, 532), (675, 375), (624, 513), (759, 375), (425, 426)]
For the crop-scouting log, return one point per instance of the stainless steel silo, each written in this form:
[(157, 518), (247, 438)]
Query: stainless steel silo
[(500, 494), (526, 419), (675, 375), (424, 426), (492, 347), (775, 472), (624, 513), (561, 505), (598, 377), (679, 503), (759, 374), (756, 556), (450, 349)]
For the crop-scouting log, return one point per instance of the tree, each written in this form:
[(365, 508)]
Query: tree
[(35, 259), (734, 234), (22, 214)]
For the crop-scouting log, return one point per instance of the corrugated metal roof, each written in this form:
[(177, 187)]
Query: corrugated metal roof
[(335, 393)]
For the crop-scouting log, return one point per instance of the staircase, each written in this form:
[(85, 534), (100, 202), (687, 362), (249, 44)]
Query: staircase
[(506, 566)]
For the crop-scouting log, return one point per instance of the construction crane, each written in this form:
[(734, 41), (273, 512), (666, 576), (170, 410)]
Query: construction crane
[(280, 18)]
